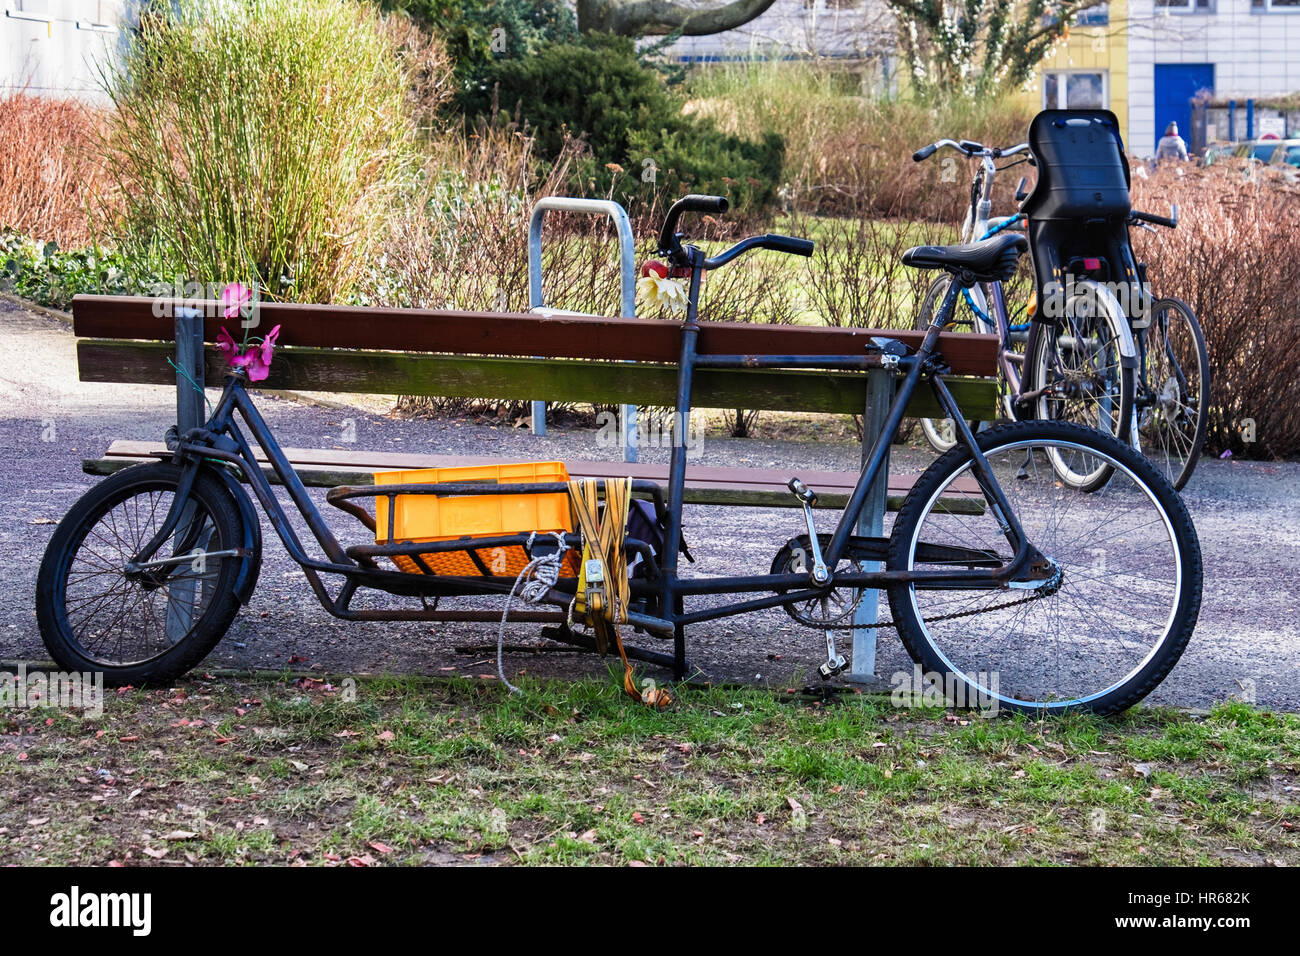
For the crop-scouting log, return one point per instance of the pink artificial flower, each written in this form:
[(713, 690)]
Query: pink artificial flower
[(234, 297), (227, 345), (258, 358)]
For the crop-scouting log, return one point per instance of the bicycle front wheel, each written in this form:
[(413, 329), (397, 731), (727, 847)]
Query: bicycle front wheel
[(157, 621), (1174, 397), (1109, 616)]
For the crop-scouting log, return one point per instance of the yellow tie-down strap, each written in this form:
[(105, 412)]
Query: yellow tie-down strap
[(603, 589)]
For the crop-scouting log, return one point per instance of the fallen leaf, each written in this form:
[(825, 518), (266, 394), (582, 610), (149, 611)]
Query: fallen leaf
[(180, 835), (798, 816), (386, 735), (155, 854), (380, 847)]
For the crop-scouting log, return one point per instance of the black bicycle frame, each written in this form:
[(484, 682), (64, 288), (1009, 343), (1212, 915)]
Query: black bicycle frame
[(221, 442)]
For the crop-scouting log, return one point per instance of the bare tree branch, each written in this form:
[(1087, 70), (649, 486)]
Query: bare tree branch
[(659, 17)]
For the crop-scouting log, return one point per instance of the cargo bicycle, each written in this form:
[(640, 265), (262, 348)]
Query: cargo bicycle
[(1012, 584)]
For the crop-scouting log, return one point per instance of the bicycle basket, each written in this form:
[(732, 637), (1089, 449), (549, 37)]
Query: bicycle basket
[(421, 518)]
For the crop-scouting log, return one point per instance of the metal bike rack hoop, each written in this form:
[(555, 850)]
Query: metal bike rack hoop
[(627, 273)]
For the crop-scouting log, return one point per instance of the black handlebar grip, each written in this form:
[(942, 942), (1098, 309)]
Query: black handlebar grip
[(696, 203), (691, 203), (925, 152), (1155, 220), (788, 244)]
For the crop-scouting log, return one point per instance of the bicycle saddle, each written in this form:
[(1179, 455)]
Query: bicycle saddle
[(987, 261)]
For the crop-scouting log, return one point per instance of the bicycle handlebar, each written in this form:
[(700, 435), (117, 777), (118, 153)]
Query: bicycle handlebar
[(971, 149), (670, 241), (691, 203), (786, 244), (1169, 223)]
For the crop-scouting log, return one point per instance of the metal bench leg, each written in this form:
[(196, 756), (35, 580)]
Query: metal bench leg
[(871, 522), (189, 414)]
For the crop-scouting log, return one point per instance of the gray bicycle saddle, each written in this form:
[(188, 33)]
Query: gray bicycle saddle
[(987, 261)]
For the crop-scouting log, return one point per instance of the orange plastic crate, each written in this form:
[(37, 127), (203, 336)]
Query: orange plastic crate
[(449, 517)]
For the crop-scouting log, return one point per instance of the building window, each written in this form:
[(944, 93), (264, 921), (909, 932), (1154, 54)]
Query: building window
[(1185, 6), (1075, 90), (1275, 6)]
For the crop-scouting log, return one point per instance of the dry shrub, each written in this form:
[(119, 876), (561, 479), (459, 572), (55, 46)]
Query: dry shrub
[(47, 173), (461, 242), (428, 66), (847, 153), (856, 277), (1235, 258)]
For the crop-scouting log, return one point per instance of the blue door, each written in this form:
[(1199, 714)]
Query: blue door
[(1176, 84)]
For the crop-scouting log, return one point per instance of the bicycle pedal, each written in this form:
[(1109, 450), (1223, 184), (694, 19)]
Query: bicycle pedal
[(833, 667)]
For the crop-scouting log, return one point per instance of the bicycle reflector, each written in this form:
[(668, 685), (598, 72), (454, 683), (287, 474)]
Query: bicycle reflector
[(1092, 265)]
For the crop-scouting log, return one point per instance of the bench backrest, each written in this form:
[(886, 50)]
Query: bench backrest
[(515, 356)]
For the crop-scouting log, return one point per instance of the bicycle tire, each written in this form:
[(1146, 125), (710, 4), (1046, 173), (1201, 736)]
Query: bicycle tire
[(939, 432), (200, 599), (954, 650), (1169, 392), (1117, 382)]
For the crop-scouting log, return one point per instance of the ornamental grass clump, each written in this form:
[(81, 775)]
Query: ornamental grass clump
[(259, 141)]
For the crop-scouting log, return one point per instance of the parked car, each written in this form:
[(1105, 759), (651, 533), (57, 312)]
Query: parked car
[(1271, 152)]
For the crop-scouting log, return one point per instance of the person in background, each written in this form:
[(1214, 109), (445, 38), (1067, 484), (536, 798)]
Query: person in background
[(1171, 145)]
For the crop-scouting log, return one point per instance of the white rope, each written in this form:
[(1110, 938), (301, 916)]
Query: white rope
[(537, 577)]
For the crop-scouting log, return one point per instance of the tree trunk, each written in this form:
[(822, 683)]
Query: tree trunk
[(659, 17)]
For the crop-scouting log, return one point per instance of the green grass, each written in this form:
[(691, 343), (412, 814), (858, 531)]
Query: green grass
[(433, 771)]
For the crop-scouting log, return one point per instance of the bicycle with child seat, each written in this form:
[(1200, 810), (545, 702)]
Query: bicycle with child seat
[(1033, 598), (1141, 377)]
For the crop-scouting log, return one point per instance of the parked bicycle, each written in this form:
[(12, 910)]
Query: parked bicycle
[(1032, 597), (1132, 367)]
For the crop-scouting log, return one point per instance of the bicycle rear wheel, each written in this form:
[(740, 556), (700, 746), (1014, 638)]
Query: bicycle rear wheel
[(146, 625), (940, 432), (1108, 619), (1076, 367), (1174, 393)]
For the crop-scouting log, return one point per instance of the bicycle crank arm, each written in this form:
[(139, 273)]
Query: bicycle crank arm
[(835, 661), (807, 498)]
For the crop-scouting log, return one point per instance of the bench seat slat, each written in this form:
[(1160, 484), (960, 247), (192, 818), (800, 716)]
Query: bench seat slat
[(704, 484)]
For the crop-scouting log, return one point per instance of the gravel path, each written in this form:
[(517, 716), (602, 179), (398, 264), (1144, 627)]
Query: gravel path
[(1247, 515)]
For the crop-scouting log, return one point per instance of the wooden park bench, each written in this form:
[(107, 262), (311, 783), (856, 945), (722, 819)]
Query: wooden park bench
[(569, 358)]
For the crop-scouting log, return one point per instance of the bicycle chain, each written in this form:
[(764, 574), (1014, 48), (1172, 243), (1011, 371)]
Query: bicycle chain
[(881, 625)]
